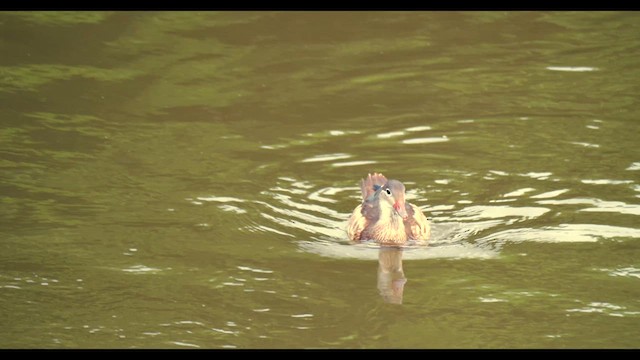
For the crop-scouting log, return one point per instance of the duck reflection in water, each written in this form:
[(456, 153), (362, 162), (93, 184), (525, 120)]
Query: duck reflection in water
[(391, 277)]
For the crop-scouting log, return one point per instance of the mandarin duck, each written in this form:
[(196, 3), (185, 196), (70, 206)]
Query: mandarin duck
[(384, 216)]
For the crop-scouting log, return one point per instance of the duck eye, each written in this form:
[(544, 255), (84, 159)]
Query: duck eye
[(388, 191)]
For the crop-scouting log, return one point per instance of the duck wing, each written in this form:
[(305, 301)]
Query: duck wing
[(363, 216), (357, 223), (416, 225)]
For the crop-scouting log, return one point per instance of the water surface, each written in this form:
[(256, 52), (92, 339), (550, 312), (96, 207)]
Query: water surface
[(183, 179)]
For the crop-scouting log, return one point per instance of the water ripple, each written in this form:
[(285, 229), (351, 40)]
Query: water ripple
[(327, 157), (604, 308), (499, 212), (180, 343), (562, 233), (537, 175), (585, 144), (550, 194), (427, 140), (370, 251), (390, 134), (255, 270), (141, 269), (606, 182), (354, 163), (598, 205), (418, 128), (572, 68), (630, 272), (634, 166), (519, 192)]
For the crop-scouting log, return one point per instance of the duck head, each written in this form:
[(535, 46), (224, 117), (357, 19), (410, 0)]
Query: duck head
[(391, 195)]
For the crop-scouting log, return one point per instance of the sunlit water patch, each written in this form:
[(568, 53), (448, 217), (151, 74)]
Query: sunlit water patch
[(572, 68), (562, 233), (625, 272)]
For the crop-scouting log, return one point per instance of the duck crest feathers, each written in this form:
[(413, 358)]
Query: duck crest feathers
[(371, 184)]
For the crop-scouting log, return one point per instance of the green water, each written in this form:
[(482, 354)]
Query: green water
[(183, 179)]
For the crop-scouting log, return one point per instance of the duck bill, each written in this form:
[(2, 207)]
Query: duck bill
[(400, 209)]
